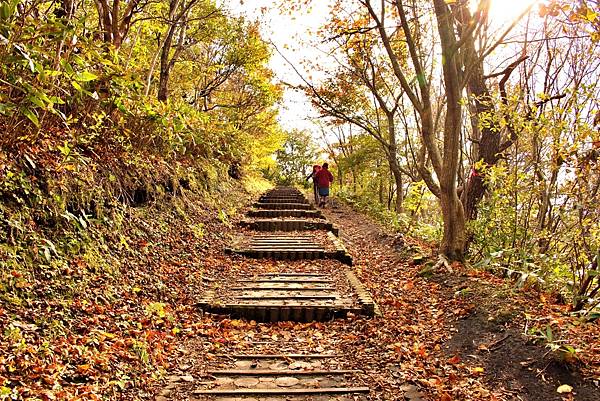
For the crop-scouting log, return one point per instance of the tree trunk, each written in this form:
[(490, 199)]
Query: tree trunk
[(488, 150), (165, 66), (379, 183), (113, 22), (340, 176), (397, 174), (392, 153), (489, 142), (454, 240)]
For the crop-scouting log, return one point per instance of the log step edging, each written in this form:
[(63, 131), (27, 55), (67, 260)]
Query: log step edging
[(341, 252), (291, 254), (265, 312), (364, 298)]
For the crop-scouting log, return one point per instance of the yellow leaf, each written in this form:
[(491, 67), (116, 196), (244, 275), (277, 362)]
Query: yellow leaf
[(565, 388), (83, 368)]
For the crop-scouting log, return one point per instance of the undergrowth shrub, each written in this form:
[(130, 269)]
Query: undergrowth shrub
[(416, 219)]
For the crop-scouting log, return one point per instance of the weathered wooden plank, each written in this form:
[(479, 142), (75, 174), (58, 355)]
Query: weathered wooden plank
[(283, 356), (284, 314), (294, 244), (282, 391), (274, 314), (273, 288), (282, 236), (301, 304), (272, 372), (286, 280), (300, 274), (292, 297), (283, 241), (286, 248)]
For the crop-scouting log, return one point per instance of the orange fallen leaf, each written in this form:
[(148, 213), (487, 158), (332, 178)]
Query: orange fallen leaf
[(454, 360)]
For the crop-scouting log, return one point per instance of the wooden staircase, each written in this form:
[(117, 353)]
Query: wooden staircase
[(316, 285)]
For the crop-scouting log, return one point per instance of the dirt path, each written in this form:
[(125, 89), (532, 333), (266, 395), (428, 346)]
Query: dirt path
[(455, 335), (451, 336)]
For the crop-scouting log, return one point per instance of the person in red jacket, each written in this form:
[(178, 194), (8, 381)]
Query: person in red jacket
[(323, 178), (313, 175)]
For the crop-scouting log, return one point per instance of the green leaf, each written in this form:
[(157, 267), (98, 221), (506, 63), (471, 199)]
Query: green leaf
[(31, 116), (37, 101), (549, 335), (68, 68), (5, 108), (56, 100), (85, 76), (4, 11)]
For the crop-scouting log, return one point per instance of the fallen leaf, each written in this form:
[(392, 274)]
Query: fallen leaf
[(564, 388), (454, 360)]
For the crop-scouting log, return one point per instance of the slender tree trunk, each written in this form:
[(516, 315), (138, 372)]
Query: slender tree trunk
[(392, 160), (397, 175), (454, 240), (489, 141), (379, 184), (489, 149), (163, 83)]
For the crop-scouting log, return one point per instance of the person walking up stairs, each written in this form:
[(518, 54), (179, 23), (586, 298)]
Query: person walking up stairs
[(324, 178)]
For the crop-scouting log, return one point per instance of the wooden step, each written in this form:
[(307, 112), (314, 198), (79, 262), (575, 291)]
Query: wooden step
[(289, 225), (271, 236), (283, 391), (291, 311), (291, 254), (286, 280), (286, 372), (266, 213), (284, 356), (288, 205), (273, 288), (283, 199), (283, 274), (289, 296)]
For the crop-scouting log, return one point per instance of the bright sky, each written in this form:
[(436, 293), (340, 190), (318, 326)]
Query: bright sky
[(289, 34), (293, 35)]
